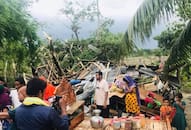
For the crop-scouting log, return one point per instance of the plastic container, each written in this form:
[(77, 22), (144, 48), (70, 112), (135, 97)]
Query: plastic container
[(128, 125)]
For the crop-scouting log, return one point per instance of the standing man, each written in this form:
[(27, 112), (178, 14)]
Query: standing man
[(101, 95)]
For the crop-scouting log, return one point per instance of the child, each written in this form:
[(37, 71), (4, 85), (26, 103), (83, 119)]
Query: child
[(6, 122), (166, 111), (179, 120)]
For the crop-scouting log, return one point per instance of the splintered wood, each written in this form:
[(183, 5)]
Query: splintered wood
[(65, 89)]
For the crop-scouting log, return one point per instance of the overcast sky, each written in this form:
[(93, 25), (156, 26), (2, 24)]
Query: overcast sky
[(109, 8), (121, 11)]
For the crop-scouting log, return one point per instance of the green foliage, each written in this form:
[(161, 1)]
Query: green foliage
[(102, 45), (186, 76), (13, 19), (148, 52), (113, 47), (77, 13), (71, 52), (148, 15), (168, 37), (17, 36), (184, 10), (180, 53)]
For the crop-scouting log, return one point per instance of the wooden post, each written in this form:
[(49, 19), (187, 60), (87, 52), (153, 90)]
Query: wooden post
[(106, 74)]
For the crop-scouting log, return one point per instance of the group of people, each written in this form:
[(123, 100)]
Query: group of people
[(31, 110), (174, 113), (101, 98)]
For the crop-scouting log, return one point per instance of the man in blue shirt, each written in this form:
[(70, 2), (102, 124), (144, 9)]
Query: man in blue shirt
[(35, 114)]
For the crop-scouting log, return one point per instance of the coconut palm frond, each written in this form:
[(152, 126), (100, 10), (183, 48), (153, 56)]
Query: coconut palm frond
[(180, 52), (130, 45), (148, 15)]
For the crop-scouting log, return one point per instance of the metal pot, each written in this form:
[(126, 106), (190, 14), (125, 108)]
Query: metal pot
[(97, 121)]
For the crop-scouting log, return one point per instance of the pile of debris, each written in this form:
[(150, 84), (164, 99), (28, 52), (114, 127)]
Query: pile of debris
[(83, 80)]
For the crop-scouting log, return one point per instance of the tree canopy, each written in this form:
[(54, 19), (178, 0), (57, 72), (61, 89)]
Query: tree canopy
[(18, 37), (148, 15)]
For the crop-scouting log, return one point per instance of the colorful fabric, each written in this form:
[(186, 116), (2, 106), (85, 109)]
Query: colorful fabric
[(150, 105), (49, 91), (179, 120), (148, 100), (28, 101), (158, 103), (132, 105), (165, 111), (4, 100), (5, 124), (151, 94), (131, 83)]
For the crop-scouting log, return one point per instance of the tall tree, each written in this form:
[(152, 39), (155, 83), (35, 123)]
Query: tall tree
[(168, 37), (77, 13), (17, 33)]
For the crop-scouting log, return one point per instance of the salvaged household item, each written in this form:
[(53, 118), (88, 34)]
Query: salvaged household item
[(97, 121), (65, 89), (116, 123), (145, 124), (76, 113), (128, 125)]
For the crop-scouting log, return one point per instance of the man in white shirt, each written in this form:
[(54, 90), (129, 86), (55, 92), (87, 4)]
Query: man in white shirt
[(101, 95), (19, 93)]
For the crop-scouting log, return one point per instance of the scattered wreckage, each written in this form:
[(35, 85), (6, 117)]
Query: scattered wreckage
[(82, 81)]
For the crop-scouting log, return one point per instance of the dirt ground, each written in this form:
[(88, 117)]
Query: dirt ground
[(187, 99)]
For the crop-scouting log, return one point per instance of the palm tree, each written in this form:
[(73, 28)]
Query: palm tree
[(148, 15)]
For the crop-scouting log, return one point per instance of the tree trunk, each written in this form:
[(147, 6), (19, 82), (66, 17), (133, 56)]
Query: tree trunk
[(76, 34), (98, 22), (5, 72)]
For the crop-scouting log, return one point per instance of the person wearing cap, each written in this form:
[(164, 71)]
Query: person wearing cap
[(101, 98)]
